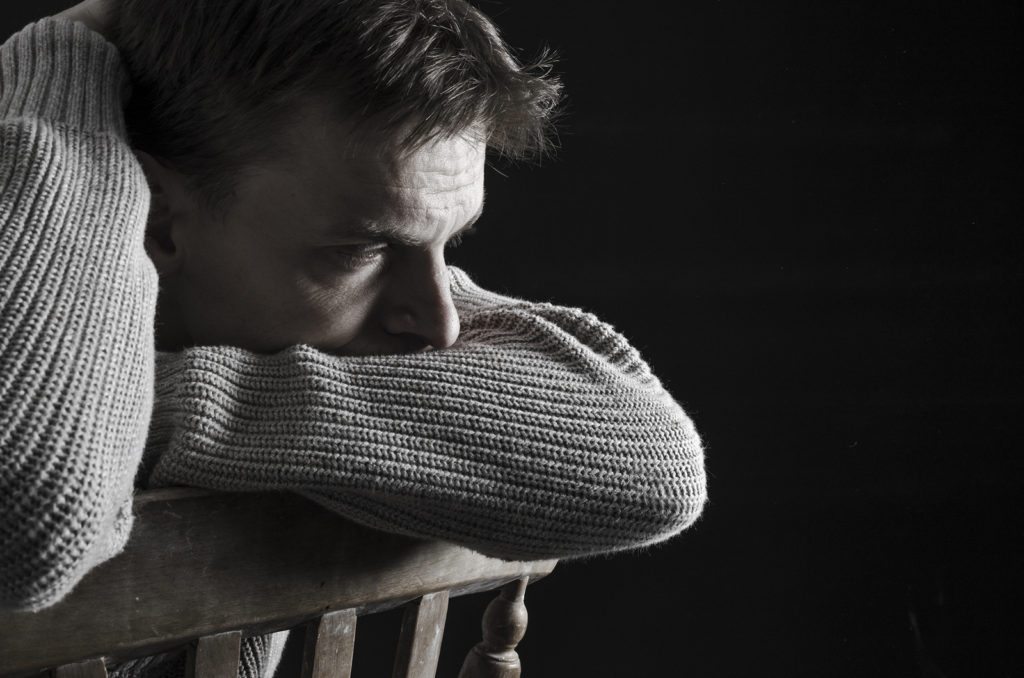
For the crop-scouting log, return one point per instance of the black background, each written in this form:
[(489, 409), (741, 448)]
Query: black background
[(807, 217)]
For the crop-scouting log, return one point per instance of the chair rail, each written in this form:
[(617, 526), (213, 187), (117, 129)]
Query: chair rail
[(201, 563)]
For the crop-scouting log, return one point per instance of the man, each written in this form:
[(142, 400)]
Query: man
[(276, 197)]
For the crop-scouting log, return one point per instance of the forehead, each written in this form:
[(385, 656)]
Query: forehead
[(321, 167)]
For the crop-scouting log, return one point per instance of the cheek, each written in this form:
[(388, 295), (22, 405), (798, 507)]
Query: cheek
[(226, 275), (339, 305), (236, 294), (268, 298)]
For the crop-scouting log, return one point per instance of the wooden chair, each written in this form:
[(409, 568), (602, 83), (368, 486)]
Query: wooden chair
[(204, 569)]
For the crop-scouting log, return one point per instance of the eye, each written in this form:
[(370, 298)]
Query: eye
[(353, 256)]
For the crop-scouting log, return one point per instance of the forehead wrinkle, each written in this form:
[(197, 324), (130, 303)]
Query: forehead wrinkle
[(458, 168), (383, 189), (373, 201), (432, 215), (394, 226), (410, 179), (378, 193)]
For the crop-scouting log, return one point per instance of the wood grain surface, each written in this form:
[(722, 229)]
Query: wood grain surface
[(201, 563)]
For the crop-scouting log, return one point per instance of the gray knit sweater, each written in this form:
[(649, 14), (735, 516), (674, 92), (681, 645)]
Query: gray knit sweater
[(540, 434)]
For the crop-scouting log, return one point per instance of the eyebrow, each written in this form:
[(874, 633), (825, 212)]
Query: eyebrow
[(395, 235)]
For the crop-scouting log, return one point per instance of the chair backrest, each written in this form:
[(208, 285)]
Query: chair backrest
[(204, 569)]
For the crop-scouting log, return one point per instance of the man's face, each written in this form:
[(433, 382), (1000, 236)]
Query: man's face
[(340, 250)]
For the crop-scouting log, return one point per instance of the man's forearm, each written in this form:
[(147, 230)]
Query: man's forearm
[(77, 298), (540, 434)]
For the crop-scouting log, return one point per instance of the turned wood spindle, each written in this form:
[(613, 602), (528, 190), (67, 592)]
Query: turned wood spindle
[(504, 625)]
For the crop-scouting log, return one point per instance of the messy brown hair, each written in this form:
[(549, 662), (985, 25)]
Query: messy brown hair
[(213, 79)]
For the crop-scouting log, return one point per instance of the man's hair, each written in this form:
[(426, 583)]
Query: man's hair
[(213, 80)]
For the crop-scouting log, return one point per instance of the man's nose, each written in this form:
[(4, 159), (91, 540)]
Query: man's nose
[(421, 303)]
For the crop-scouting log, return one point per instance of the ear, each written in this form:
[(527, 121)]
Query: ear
[(164, 225)]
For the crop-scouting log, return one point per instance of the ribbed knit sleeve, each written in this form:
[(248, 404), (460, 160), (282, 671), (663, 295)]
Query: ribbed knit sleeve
[(77, 300), (540, 434)]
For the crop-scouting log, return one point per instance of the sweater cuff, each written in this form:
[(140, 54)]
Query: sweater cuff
[(59, 70)]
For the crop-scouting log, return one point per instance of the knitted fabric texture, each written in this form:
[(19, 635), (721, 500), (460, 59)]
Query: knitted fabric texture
[(540, 434)]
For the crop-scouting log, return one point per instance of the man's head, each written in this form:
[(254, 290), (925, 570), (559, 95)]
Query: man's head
[(310, 160)]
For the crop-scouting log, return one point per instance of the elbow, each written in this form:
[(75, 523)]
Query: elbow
[(658, 491), (675, 505), (685, 484), (36, 581), (677, 475), (46, 554), (667, 488), (654, 507), (666, 501)]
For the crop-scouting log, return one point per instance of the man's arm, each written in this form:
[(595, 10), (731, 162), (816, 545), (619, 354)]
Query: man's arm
[(540, 434), (77, 300)]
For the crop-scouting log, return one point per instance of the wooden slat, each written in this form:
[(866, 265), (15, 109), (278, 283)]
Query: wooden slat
[(215, 656), (94, 668), (201, 563), (330, 644), (419, 645)]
